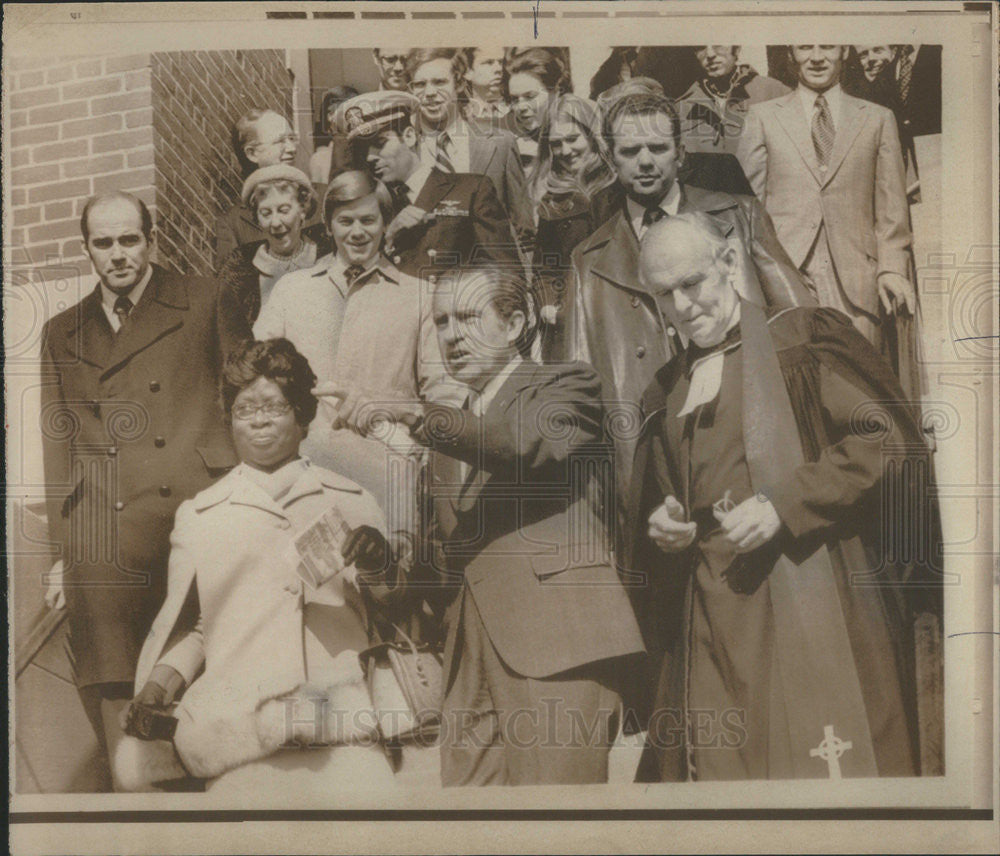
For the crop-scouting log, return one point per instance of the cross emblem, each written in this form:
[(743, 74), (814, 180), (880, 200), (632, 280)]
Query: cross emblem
[(830, 751)]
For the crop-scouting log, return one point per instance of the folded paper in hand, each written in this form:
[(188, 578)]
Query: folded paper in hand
[(319, 547)]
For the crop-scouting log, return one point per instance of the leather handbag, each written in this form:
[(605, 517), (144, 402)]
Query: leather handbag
[(405, 684)]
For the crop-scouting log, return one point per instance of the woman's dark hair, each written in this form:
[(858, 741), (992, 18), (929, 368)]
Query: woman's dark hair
[(546, 67), (278, 361)]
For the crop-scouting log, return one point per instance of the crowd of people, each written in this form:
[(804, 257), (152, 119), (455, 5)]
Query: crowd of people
[(568, 392)]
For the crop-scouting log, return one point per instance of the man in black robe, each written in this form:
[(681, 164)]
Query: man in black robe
[(763, 495)]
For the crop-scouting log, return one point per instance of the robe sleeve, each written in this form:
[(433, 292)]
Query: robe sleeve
[(862, 411)]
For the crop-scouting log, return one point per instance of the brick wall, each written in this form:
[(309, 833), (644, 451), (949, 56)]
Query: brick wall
[(197, 96), (78, 127), (153, 124)]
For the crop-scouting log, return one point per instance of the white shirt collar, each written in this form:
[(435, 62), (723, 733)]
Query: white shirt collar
[(479, 403), (415, 183), (108, 298), (669, 205), (832, 95)]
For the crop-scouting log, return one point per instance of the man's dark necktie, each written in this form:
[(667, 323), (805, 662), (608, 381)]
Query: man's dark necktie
[(122, 308), (822, 131), (652, 215), (904, 72), (441, 158)]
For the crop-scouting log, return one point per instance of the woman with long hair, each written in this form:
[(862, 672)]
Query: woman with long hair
[(534, 76), (570, 171)]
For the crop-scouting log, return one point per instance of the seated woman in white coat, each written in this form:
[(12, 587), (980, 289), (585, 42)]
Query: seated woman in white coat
[(260, 632)]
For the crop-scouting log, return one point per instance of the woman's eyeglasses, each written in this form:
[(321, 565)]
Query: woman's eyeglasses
[(275, 410)]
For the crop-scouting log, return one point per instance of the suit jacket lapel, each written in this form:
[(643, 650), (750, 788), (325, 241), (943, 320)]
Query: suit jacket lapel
[(482, 150), (796, 124), (160, 311), (436, 187), (852, 118), (502, 401)]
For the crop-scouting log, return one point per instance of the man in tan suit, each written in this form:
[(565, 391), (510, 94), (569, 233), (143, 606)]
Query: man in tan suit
[(829, 169)]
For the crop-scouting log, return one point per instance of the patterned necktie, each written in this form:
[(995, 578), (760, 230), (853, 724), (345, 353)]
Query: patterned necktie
[(822, 132), (904, 72), (122, 308), (441, 158), (353, 272), (651, 216)]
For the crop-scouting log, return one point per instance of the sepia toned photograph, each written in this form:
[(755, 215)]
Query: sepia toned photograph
[(463, 427)]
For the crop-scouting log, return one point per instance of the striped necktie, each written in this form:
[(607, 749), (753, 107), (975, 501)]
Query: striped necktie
[(441, 157), (822, 132), (904, 69)]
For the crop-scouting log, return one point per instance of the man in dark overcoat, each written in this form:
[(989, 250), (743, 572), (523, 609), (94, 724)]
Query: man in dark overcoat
[(131, 427)]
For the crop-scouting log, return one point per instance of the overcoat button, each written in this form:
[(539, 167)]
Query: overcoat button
[(119, 505), (671, 331), (640, 352), (154, 386), (635, 301), (159, 442), (397, 259), (164, 490)]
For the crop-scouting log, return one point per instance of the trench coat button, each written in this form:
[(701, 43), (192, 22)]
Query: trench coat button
[(635, 301), (284, 524), (119, 505), (164, 490), (159, 442), (671, 331), (397, 259), (291, 588), (640, 352), (154, 386), (112, 451)]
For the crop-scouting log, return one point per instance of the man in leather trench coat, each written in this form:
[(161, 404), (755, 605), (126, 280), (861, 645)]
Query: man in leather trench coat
[(614, 324)]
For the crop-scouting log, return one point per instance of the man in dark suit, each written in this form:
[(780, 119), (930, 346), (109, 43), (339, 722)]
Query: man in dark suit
[(442, 218), (260, 138), (539, 623), (454, 145), (131, 427), (614, 324)]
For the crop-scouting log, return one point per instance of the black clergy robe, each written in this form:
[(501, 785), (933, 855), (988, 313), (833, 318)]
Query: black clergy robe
[(729, 704)]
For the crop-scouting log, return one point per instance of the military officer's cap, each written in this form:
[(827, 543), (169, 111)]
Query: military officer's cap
[(364, 116)]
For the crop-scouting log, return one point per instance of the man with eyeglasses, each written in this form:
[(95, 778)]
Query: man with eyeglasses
[(131, 427), (451, 144), (391, 65), (260, 138)]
